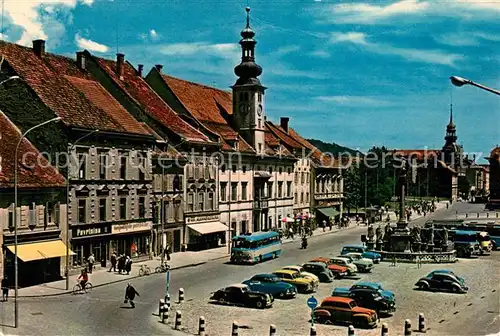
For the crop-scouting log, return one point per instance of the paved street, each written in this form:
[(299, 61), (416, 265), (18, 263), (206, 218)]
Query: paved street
[(103, 311)]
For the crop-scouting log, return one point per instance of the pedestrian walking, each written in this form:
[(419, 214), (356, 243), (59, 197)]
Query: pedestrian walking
[(5, 290), (91, 261), (113, 262), (323, 225), (121, 263), (167, 252), (130, 294), (128, 265)]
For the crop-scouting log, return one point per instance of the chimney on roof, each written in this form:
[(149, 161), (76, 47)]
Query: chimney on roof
[(80, 60), (120, 63), (39, 47), (140, 67), (159, 67), (284, 123)]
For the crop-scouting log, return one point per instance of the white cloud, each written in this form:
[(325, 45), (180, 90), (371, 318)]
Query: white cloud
[(285, 50), (320, 54), (366, 13), (466, 39), (90, 45), (222, 50), (354, 100), (25, 14), (412, 54)]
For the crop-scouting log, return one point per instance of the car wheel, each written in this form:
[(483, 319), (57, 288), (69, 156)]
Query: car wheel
[(281, 295), (359, 322), (455, 289), (424, 286), (222, 301), (259, 304)]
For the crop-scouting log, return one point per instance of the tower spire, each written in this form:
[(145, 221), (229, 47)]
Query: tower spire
[(248, 70), (451, 114)]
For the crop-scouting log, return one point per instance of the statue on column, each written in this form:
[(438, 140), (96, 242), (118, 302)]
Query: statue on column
[(371, 232), (378, 233)]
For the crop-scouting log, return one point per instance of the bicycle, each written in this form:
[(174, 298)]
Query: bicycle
[(144, 270), (77, 289), (162, 268)]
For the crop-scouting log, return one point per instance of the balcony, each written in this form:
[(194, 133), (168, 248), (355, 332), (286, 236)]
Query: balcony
[(261, 204)]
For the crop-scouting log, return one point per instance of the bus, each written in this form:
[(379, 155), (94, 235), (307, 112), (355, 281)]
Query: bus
[(255, 247), (490, 226), (465, 242)]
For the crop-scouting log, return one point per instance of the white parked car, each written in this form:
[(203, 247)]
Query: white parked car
[(363, 264), (303, 273), (347, 262)]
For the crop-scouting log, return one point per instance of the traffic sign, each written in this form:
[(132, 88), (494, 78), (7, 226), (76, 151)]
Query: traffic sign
[(312, 302)]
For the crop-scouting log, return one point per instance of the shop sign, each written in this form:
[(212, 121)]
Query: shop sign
[(93, 231), (130, 227), (197, 219)]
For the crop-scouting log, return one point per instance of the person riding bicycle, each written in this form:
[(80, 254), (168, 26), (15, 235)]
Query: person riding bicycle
[(84, 278)]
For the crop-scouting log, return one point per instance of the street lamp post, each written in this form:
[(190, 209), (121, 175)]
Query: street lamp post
[(459, 81), (16, 275), (71, 147)]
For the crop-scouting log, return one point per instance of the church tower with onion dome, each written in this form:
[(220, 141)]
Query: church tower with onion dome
[(248, 92)]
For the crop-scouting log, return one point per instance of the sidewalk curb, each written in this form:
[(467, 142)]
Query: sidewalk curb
[(123, 280)]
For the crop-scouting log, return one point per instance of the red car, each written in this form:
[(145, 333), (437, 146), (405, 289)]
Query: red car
[(336, 309), (337, 270)]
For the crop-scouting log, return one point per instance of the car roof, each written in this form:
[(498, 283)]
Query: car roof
[(292, 266), (341, 258), (285, 271), (316, 263), (238, 285), (442, 271), (318, 258), (352, 253), (337, 299), (354, 245), (268, 275), (367, 284)]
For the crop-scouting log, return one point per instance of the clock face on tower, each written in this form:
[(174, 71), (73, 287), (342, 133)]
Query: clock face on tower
[(259, 110)]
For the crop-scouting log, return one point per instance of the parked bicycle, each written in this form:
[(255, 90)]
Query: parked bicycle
[(144, 270), (162, 268), (77, 289)]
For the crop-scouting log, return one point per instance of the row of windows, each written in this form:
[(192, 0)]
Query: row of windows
[(327, 187), (35, 215), (123, 213), (245, 96), (104, 166), (266, 192), (234, 168), (302, 199), (200, 201), (304, 177)]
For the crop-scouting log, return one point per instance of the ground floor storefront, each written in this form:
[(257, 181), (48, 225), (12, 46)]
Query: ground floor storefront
[(169, 236), (206, 232), (38, 261), (130, 239)]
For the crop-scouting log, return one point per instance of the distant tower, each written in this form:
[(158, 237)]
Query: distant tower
[(450, 149), (248, 93)]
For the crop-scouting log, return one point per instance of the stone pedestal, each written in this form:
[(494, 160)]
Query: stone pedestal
[(401, 242), (370, 245)]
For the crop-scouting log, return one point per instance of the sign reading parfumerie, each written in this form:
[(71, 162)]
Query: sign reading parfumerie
[(130, 227)]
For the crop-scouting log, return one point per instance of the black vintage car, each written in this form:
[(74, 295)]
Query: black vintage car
[(443, 280), (241, 295), (372, 300)]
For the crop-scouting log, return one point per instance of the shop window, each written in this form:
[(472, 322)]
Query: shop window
[(142, 207), (234, 191), (244, 191), (102, 209), (103, 161), (289, 189), (82, 211), (82, 166), (123, 208), (201, 201), (123, 167)]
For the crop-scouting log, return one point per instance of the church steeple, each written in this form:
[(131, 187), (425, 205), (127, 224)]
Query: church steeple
[(451, 131), (248, 70)]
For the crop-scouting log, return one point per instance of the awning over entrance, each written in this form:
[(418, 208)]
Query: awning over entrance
[(329, 212), (39, 251), (206, 228)]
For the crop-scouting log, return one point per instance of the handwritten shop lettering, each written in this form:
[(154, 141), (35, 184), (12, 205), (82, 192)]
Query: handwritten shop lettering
[(202, 218), (133, 227)]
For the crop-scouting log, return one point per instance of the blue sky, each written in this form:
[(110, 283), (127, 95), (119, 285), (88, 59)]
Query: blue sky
[(358, 73)]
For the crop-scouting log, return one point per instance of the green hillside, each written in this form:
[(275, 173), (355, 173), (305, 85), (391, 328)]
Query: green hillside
[(333, 148)]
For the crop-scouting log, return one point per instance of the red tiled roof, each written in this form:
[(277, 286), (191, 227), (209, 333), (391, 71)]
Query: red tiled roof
[(150, 101), (55, 91), (41, 175), (285, 138)]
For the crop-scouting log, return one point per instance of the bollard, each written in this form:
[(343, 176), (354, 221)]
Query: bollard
[(497, 214), (167, 299), (181, 295), (385, 330), (272, 330), (350, 331), (487, 215), (467, 215), (201, 326), (164, 313), (160, 307), (421, 322), (407, 327), (478, 215), (178, 320), (234, 330), (312, 331)]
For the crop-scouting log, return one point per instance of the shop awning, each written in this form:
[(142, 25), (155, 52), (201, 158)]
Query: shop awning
[(329, 212), (206, 228), (41, 250)]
